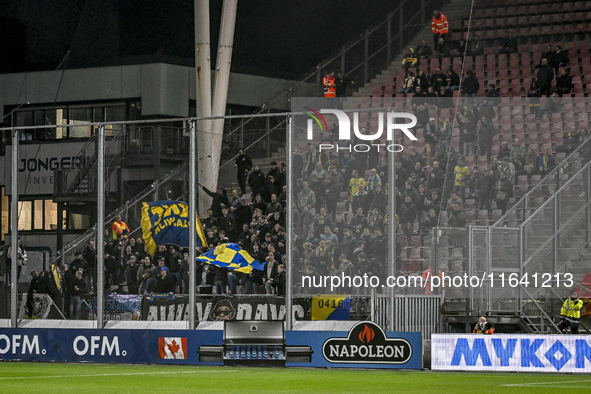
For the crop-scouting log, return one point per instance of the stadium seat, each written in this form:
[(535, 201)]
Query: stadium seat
[(586, 282), (483, 217), (415, 266)]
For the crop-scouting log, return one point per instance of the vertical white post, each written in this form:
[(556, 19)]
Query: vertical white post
[(203, 93), (392, 238), (290, 234), (192, 223), (100, 228), (14, 231), (222, 80)]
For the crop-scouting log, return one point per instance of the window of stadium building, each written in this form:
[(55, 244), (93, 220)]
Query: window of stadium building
[(4, 214), (38, 215), (68, 115)]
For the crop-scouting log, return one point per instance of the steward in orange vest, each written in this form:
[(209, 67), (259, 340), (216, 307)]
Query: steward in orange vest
[(120, 229), (438, 27), (329, 85)]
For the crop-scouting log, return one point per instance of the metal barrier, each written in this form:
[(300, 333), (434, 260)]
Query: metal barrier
[(413, 313), (530, 269)]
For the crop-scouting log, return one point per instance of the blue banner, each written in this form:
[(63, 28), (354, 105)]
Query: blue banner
[(365, 346), (167, 222), (511, 352)]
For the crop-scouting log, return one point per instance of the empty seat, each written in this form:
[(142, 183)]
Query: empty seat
[(483, 217)]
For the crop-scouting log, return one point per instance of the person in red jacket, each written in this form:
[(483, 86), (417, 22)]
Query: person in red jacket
[(438, 27), (329, 85)]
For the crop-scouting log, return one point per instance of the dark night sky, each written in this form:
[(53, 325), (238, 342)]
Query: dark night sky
[(283, 38)]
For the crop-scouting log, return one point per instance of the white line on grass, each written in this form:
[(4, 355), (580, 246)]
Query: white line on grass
[(112, 374), (533, 384)]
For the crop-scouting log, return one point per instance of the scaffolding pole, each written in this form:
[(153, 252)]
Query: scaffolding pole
[(14, 231), (289, 204), (192, 223), (100, 229)]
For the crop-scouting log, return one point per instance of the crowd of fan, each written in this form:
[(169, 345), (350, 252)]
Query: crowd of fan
[(340, 214)]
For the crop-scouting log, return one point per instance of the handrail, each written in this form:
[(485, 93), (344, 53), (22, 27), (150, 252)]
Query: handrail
[(337, 55), (88, 234), (543, 312), (552, 197), (553, 173)]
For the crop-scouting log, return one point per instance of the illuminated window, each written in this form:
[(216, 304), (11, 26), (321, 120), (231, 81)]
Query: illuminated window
[(25, 216), (5, 214), (50, 215)]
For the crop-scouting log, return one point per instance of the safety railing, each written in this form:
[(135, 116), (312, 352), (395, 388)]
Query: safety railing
[(358, 60)]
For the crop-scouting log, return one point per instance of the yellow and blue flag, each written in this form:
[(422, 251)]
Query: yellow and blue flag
[(167, 222), (232, 257), (331, 307)]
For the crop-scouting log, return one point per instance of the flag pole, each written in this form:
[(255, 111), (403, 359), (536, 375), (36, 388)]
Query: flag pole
[(192, 223), (290, 234)]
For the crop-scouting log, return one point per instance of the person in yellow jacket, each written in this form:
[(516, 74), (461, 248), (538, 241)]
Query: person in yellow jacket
[(570, 313), (410, 60), (438, 27), (461, 177), (119, 228)]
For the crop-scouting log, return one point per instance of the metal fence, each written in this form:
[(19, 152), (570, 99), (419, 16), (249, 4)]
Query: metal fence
[(412, 313), (532, 267)]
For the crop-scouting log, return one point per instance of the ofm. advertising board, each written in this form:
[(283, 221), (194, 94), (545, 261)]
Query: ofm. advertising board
[(366, 345), (524, 353)]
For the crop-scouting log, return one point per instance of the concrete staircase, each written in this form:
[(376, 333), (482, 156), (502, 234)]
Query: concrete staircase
[(453, 11)]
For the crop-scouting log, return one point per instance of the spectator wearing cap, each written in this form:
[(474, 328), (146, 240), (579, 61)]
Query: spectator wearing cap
[(165, 282)]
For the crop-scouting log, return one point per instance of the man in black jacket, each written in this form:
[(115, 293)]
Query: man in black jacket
[(485, 137), (148, 284), (487, 184), (545, 77), (564, 82), (77, 290), (218, 198), (243, 166), (175, 260), (453, 80), (165, 282), (509, 45), (470, 85), (256, 181)]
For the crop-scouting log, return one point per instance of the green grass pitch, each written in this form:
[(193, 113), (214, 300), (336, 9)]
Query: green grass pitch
[(44, 378)]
